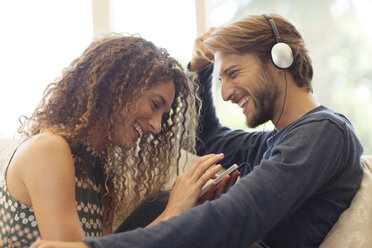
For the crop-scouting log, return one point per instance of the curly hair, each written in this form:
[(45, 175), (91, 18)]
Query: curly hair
[(254, 35), (92, 92)]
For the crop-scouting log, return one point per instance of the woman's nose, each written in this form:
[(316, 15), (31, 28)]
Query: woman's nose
[(155, 124)]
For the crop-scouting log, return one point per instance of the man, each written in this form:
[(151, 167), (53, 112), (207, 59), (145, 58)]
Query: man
[(307, 170), (304, 173)]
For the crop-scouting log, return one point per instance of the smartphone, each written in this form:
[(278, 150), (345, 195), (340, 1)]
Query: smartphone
[(219, 178)]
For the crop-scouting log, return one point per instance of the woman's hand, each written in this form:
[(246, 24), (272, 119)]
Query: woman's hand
[(56, 244), (201, 56)]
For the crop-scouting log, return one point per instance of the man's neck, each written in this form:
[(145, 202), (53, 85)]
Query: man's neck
[(298, 102)]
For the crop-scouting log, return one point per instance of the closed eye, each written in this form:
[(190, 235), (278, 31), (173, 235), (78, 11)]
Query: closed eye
[(233, 74), (155, 105)]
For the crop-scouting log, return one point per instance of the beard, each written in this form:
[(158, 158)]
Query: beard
[(264, 99)]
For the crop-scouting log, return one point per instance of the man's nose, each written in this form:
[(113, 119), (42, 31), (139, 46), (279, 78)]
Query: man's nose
[(227, 91)]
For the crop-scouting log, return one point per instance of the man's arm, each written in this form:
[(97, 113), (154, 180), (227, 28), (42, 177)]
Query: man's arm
[(254, 205)]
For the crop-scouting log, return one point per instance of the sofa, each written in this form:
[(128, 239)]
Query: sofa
[(354, 227)]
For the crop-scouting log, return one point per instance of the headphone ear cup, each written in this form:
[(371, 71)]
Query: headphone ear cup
[(282, 55)]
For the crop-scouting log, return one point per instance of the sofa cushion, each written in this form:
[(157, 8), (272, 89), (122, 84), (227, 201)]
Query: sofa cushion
[(354, 227)]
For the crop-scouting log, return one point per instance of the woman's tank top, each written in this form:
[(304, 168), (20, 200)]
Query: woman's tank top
[(18, 225)]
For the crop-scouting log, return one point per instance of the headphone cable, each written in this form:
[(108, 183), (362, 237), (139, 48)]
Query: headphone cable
[(285, 98)]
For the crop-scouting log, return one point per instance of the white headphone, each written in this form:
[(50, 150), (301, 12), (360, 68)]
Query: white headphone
[(281, 53)]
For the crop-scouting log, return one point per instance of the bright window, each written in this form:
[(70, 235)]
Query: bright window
[(39, 38), (168, 23)]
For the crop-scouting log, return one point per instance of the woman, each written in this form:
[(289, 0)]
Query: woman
[(104, 136)]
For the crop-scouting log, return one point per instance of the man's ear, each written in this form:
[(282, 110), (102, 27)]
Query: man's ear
[(273, 69)]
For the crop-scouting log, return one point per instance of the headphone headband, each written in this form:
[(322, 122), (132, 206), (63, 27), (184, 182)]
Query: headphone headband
[(273, 27)]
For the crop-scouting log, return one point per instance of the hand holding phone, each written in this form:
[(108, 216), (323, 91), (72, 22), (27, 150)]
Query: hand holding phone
[(219, 178)]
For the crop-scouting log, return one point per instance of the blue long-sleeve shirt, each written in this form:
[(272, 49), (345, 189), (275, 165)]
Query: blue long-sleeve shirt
[(303, 177)]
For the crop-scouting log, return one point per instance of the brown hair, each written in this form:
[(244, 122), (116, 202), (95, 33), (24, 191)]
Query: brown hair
[(254, 35), (92, 92)]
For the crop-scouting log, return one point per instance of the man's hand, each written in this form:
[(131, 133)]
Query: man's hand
[(56, 244), (201, 56), (216, 190)]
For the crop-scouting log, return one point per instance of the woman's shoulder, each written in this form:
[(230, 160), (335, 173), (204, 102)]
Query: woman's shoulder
[(47, 141), (45, 144), (39, 162), (43, 149)]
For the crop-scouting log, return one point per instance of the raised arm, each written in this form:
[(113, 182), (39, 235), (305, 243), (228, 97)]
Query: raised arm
[(238, 145)]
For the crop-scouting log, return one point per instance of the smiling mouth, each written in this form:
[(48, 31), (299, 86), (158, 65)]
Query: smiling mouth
[(138, 129), (243, 101)]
